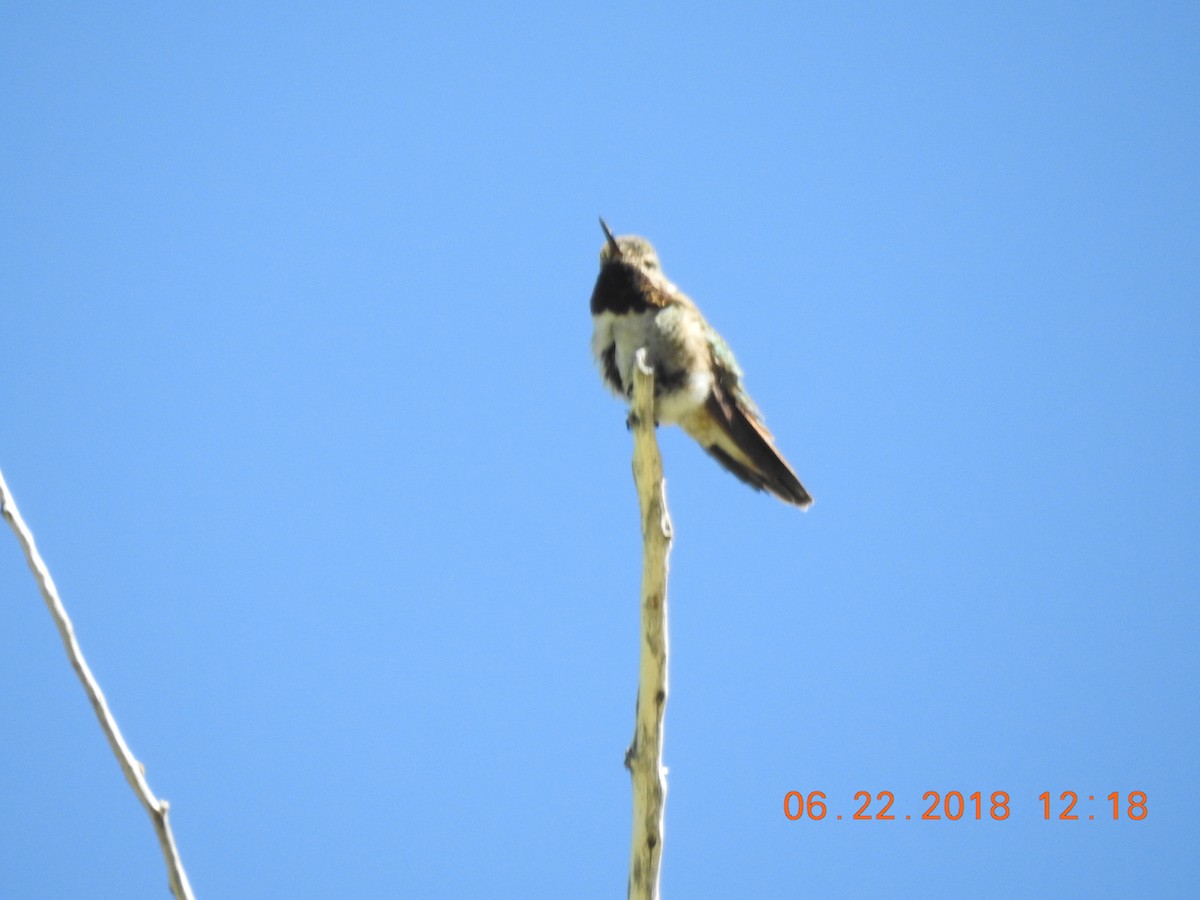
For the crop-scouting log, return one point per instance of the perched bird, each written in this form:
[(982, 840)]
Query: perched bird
[(697, 382)]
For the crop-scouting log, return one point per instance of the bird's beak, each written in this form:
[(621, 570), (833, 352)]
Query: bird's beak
[(612, 241)]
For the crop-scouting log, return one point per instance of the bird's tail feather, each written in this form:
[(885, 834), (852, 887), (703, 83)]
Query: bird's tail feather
[(742, 444)]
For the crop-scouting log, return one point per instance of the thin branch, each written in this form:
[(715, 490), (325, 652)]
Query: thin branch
[(644, 757), (134, 770)]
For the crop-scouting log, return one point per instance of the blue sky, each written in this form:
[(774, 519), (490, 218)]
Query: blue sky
[(298, 402)]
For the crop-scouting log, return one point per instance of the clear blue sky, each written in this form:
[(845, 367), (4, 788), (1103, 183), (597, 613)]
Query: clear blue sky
[(297, 398)]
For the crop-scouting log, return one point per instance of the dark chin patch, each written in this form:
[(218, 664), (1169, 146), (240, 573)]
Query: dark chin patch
[(620, 289)]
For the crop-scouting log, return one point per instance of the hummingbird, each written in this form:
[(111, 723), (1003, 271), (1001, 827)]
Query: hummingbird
[(697, 382)]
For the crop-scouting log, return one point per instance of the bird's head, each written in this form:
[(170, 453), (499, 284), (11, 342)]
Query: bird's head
[(636, 251)]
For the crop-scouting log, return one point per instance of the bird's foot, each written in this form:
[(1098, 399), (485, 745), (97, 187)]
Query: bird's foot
[(633, 420)]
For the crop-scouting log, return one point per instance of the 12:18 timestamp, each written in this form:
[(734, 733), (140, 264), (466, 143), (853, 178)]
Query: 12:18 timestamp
[(954, 806), (1135, 807)]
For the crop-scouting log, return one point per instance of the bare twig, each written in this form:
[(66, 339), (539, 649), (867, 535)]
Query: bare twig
[(134, 771), (644, 757)]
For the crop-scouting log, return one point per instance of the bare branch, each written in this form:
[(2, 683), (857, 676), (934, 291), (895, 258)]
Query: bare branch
[(134, 770), (644, 757)]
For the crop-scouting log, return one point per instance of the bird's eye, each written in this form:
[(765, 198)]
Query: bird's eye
[(650, 263)]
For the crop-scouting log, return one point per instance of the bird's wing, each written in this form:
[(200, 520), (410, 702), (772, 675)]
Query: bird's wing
[(734, 434)]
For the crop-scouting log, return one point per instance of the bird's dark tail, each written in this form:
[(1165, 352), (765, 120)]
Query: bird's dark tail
[(739, 442)]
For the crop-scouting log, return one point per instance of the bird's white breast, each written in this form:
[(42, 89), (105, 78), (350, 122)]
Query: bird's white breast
[(673, 338)]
